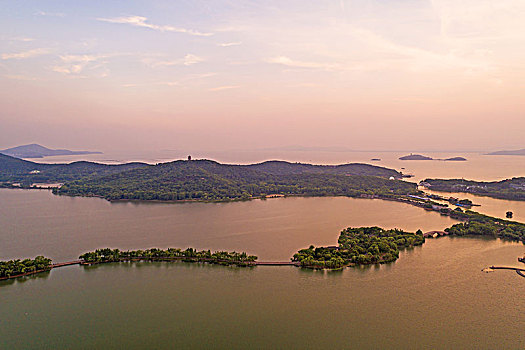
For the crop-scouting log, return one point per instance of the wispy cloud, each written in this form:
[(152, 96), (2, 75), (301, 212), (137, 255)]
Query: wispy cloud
[(236, 43), (51, 14), (20, 38), (75, 64), (422, 58), (169, 83), (187, 60), (183, 81), (391, 55), (19, 77), (286, 61), (25, 54), (225, 87), (140, 21)]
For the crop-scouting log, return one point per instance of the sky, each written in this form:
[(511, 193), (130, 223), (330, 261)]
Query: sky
[(223, 74)]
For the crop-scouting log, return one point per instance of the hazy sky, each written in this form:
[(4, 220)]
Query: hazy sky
[(218, 74)]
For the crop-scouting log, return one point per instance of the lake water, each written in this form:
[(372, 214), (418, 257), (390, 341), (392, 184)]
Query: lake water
[(38, 222), (478, 167), (434, 296)]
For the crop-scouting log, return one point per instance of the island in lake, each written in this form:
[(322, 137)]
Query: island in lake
[(422, 157), (415, 157), (37, 151), (205, 180), (359, 246), (512, 189)]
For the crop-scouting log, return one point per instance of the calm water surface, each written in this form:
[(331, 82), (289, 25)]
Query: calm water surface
[(38, 222), (434, 296), (478, 167)]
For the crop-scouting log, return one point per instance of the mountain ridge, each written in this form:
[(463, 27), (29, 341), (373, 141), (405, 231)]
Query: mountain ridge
[(35, 150)]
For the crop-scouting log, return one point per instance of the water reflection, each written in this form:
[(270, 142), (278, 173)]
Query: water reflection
[(24, 279)]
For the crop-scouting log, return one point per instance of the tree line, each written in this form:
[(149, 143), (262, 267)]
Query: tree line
[(18, 267), (107, 255), (359, 246), (210, 181)]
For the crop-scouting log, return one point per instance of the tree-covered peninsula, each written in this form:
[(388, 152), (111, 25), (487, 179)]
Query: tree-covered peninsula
[(14, 268), (512, 189), (107, 255), (477, 224), (206, 180), (373, 245), (359, 246)]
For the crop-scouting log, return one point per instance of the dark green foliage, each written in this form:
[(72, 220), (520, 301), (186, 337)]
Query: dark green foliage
[(210, 181), (17, 267), (362, 246), (286, 168), (19, 170), (482, 225), (513, 189), (189, 255)]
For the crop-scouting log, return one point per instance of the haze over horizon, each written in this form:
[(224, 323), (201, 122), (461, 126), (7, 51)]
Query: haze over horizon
[(363, 75)]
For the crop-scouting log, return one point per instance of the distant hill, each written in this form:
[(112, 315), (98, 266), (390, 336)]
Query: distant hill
[(519, 152), (37, 151), (415, 157), (455, 159), (207, 180), (420, 157), (18, 170)]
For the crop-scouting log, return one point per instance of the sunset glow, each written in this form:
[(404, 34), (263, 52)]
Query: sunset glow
[(415, 74)]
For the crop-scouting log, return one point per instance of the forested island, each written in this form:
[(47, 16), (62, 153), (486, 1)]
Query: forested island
[(415, 157), (19, 268), (204, 180), (374, 245), (512, 189), (359, 246), (108, 255), (477, 224), (421, 157)]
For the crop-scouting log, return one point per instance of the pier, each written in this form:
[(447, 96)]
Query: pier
[(519, 271)]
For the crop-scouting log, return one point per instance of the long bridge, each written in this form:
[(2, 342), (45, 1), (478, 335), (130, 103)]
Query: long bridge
[(277, 263), (256, 263), (67, 263)]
